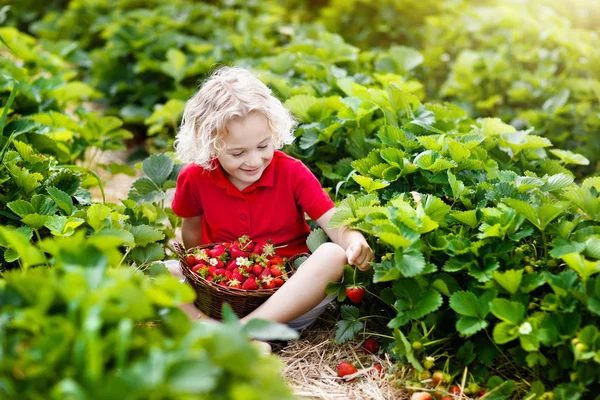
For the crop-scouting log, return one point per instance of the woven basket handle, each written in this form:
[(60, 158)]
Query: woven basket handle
[(179, 250)]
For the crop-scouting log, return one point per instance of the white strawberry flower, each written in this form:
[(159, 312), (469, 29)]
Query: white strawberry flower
[(213, 262), (240, 261), (525, 328)]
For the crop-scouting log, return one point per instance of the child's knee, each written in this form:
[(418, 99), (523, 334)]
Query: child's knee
[(335, 257)]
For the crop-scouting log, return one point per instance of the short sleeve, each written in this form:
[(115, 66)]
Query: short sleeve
[(186, 201), (310, 196)]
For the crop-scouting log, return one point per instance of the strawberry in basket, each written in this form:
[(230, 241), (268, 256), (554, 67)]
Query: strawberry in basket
[(242, 264)]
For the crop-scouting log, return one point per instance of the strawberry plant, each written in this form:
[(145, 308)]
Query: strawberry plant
[(123, 334)]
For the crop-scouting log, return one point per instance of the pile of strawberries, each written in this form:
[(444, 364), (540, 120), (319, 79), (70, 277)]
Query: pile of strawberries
[(242, 264)]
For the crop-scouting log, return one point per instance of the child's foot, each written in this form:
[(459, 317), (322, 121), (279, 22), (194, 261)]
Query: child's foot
[(263, 347)]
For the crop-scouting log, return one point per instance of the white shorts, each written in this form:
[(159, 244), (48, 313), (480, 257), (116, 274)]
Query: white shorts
[(302, 322)]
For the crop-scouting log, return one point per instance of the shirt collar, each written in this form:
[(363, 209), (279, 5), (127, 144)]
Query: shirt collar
[(267, 178)]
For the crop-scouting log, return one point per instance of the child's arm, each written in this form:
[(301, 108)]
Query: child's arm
[(191, 231), (353, 242)]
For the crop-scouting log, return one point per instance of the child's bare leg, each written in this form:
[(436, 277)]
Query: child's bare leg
[(306, 288), (189, 308)]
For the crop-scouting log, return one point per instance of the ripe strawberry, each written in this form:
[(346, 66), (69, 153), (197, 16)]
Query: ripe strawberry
[(211, 270), (191, 260), (236, 252), (228, 275), (437, 377), (454, 389), (276, 260), (217, 251), (377, 371), (355, 294), (447, 398), (209, 278), (278, 282), (481, 393), (266, 273), (244, 243), (237, 276), (220, 271), (202, 270), (276, 271), (223, 283), (257, 270), (268, 283), (370, 345), (250, 284), (215, 262), (234, 283), (421, 396), (196, 267), (345, 368), (231, 265)]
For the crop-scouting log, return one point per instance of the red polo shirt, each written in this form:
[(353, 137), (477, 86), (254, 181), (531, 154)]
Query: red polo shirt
[(271, 208)]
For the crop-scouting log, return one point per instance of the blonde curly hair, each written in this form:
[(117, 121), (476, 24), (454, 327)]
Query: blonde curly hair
[(230, 92)]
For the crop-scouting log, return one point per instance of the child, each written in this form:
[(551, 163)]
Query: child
[(236, 183)]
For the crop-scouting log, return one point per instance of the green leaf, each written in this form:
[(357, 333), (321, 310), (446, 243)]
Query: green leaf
[(21, 207), (505, 332), (145, 234), (35, 221), (175, 65), (466, 217), (508, 311), (19, 242), (349, 325), (148, 253), (579, 264), (299, 105), (268, 330), (470, 325), (430, 301), (62, 199), (184, 376), (96, 215), (466, 353), (558, 181), (568, 157), (400, 339), (369, 184), (410, 261), (61, 225), (405, 58), (467, 304), (539, 216), (158, 167), (315, 239), (391, 234), (510, 280)]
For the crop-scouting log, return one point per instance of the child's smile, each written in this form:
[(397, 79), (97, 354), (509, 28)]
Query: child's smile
[(248, 149)]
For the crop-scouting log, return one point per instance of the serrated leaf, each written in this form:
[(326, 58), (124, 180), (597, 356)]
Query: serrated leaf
[(62, 199), (145, 234), (342, 217), (96, 215), (467, 304), (175, 65), (428, 302), (299, 105), (43, 205), (592, 247), (410, 261), (61, 225), (35, 221), (466, 217), (369, 184), (579, 264), (505, 332), (568, 157), (158, 167), (315, 239), (470, 325), (508, 311), (558, 181), (510, 280), (149, 253), (349, 325), (19, 242), (466, 353), (21, 207)]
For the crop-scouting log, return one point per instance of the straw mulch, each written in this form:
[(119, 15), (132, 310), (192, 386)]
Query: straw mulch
[(311, 364)]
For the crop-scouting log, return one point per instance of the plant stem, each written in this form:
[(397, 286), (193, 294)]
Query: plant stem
[(377, 334)]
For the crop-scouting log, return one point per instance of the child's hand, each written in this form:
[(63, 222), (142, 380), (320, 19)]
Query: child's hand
[(360, 254)]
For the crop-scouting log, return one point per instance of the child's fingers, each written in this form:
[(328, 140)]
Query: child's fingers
[(352, 253)]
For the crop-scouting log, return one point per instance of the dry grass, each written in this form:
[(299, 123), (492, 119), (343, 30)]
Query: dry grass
[(312, 360)]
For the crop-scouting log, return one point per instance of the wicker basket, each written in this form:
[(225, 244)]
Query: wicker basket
[(211, 296)]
